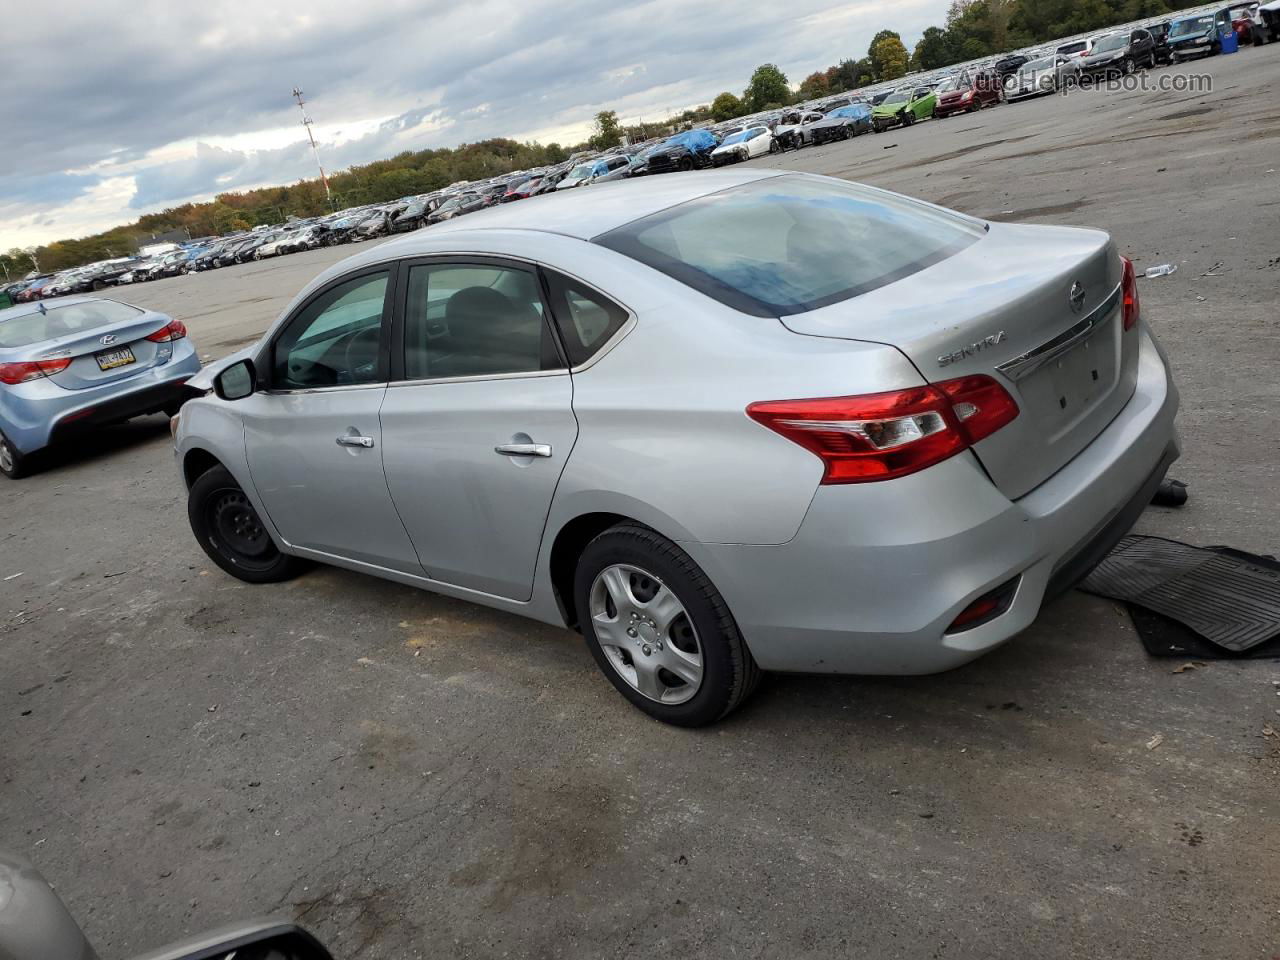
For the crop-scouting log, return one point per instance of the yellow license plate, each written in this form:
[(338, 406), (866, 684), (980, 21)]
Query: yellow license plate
[(111, 359)]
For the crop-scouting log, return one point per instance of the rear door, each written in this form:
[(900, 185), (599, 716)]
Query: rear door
[(478, 423), (312, 437)]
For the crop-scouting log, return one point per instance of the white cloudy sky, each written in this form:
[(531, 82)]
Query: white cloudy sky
[(114, 109)]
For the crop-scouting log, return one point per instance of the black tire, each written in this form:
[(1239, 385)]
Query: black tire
[(686, 164), (99, 285), (228, 529), (13, 464), (729, 673)]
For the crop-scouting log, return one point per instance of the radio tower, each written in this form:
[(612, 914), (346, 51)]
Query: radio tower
[(306, 122)]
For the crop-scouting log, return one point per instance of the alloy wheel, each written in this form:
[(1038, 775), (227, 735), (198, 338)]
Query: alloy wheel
[(646, 634), (7, 460)]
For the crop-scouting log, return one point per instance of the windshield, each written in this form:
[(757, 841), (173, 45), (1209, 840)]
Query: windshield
[(853, 110), (949, 84), (1246, 10), (1114, 42), (37, 327), (581, 171), (789, 244), (737, 137), (1035, 66), (898, 96), (1077, 47), (1191, 25)]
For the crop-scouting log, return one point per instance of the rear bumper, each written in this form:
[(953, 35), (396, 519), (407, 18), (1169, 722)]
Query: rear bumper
[(878, 572), (43, 412)]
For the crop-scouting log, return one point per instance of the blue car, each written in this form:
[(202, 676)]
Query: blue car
[(83, 362)]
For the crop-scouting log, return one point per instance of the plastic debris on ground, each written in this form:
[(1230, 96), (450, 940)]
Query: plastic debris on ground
[(1163, 270), (1170, 493)]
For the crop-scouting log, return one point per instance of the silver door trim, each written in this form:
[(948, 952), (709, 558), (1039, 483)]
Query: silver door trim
[(557, 372), (380, 385), (1027, 363)]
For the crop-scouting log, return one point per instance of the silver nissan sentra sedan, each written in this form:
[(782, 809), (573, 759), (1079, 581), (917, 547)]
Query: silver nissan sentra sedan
[(78, 363), (722, 423)]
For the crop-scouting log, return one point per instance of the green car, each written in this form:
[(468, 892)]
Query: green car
[(904, 106)]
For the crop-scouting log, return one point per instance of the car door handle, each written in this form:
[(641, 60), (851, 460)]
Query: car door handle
[(365, 442), (523, 449)]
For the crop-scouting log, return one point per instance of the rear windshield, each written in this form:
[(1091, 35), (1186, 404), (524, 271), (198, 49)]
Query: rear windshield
[(1074, 47), (790, 244), (37, 327)]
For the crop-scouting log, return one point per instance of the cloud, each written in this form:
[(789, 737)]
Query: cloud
[(191, 99)]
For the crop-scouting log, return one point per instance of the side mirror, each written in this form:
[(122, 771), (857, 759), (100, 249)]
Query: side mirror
[(236, 382), (264, 940)]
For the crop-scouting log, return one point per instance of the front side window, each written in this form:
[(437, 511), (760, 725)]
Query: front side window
[(789, 244), (464, 320), (335, 340)]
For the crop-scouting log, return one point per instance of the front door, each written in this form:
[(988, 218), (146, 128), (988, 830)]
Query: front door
[(479, 428), (313, 438)]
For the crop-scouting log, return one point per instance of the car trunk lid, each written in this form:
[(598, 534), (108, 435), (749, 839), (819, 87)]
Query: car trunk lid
[(109, 353), (1038, 309)]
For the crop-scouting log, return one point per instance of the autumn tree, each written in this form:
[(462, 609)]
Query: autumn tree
[(608, 130), (768, 86), (726, 107), (813, 86), (934, 50), (888, 56)]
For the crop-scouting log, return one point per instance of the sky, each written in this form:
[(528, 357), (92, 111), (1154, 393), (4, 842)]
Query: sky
[(116, 109)]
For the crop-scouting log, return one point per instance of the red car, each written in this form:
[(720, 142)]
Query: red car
[(967, 92)]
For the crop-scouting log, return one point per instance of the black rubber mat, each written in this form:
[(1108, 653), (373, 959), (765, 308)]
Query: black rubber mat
[(1194, 601)]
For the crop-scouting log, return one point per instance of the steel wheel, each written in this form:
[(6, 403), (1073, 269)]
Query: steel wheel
[(646, 633), (235, 525)]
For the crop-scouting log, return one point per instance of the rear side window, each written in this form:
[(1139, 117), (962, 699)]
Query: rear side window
[(790, 244), (464, 320), (587, 319)]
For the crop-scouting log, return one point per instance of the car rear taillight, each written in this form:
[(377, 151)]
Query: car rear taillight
[(1129, 292), (173, 330), (15, 373), (879, 436)]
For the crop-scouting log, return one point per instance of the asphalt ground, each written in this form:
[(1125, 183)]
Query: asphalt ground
[(412, 776)]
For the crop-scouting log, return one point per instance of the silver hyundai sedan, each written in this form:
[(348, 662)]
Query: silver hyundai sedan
[(721, 423), (81, 362)]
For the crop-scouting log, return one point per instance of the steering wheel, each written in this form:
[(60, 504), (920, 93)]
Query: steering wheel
[(360, 355)]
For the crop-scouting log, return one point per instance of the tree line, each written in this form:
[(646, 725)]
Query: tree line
[(973, 29)]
